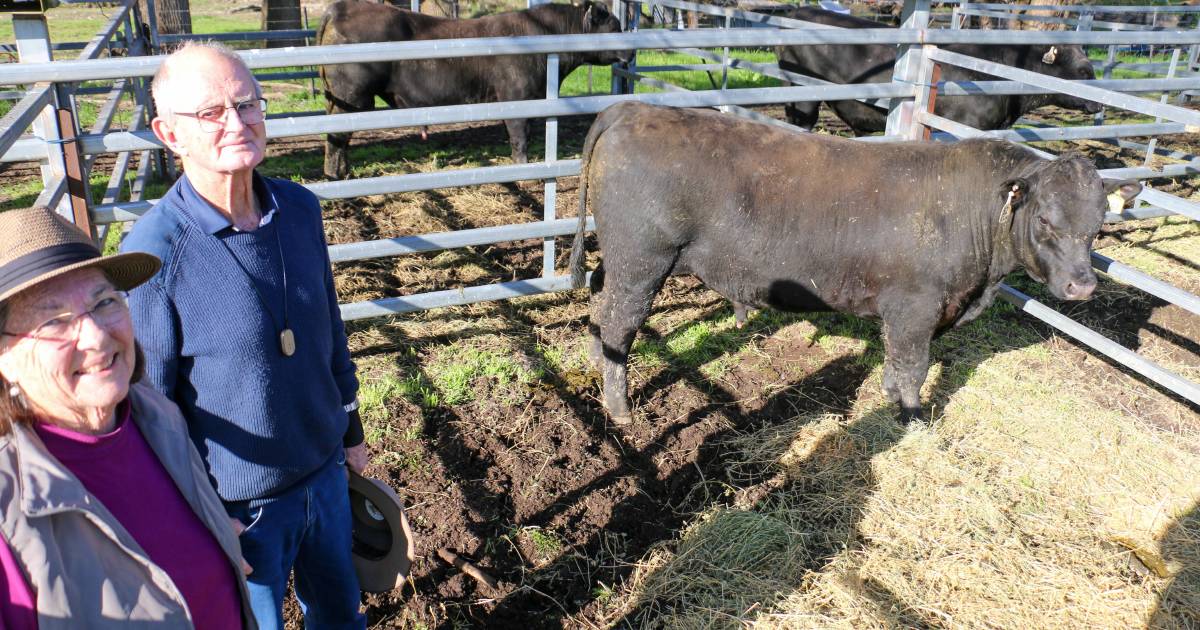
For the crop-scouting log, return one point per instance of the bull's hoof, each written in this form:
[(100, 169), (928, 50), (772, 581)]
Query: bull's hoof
[(912, 418), (621, 421)]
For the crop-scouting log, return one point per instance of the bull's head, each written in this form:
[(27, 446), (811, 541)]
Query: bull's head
[(598, 19), (1057, 209), (1066, 62)]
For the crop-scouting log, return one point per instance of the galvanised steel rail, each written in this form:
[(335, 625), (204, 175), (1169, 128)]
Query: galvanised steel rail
[(456, 297), (1082, 8), (1149, 284), (1128, 358), (239, 36), (452, 240), (21, 116), (75, 71), (413, 182), (1115, 99), (423, 116), (1109, 348), (32, 149), (1025, 17), (415, 117), (99, 43)]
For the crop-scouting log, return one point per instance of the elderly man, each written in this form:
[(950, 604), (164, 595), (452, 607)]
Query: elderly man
[(241, 328)]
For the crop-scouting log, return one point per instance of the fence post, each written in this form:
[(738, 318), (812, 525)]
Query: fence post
[(1150, 146), (632, 23), (1109, 61), (140, 86), (915, 16), (549, 210), (618, 9), (928, 75), (33, 46), (1193, 68)]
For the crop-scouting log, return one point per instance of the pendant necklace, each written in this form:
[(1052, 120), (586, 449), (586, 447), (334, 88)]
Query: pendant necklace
[(287, 338)]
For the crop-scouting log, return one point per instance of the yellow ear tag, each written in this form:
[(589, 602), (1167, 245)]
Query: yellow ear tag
[(1116, 203)]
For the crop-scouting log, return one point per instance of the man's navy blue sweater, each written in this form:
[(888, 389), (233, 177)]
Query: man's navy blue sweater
[(261, 420)]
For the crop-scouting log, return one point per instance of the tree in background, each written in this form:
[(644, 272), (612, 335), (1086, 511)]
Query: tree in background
[(282, 15)]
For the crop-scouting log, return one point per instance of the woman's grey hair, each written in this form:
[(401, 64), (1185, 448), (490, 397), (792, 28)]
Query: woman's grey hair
[(160, 86)]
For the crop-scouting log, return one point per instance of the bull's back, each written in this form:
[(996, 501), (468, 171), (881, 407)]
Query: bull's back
[(359, 22), (751, 208), (866, 63)]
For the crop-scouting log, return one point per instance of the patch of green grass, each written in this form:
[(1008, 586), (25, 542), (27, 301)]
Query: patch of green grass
[(457, 372), (576, 84), (545, 542), (375, 394), (20, 194)]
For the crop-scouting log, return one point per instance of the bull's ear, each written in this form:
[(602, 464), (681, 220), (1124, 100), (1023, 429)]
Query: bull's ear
[(1051, 55), (1015, 191), (1120, 192)]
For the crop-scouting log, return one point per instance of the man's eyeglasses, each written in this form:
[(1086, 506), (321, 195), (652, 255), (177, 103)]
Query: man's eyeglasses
[(109, 310), (213, 118)]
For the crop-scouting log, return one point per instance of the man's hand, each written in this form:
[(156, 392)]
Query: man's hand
[(357, 458), (238, 528)]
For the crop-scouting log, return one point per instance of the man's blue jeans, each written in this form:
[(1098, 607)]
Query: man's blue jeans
[(306, 529)]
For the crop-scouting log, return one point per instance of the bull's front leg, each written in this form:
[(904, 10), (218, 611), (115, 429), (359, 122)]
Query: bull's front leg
[(803, 114), (907, 331), (518, 139)]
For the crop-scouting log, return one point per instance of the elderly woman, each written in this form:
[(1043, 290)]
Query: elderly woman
[(109, 518)]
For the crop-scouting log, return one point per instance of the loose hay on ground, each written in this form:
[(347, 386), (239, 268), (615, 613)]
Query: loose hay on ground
[(1006, 512)]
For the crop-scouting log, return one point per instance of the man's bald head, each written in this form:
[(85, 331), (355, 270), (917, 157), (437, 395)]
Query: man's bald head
[(192, 60)]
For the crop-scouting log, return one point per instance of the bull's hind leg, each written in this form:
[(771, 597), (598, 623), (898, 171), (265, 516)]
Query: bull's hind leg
[(337, 145), (595, 347), (907, 331), (619, 309)]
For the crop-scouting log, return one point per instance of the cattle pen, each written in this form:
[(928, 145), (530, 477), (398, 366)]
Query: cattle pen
[(907, 99), (1049, 489)]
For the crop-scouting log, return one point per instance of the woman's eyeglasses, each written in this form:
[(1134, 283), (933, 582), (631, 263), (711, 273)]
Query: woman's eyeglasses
[(109, 310)]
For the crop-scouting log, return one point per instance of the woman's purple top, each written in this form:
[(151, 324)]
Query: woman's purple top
[(120, 469)]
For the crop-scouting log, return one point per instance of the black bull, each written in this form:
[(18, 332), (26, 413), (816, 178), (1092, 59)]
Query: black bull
[(918, 235), (432, 82), (873, 63)]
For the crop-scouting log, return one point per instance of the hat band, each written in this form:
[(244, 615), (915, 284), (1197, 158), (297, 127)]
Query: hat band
[(25, 268)]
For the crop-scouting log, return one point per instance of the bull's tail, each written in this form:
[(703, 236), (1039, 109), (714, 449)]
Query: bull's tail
[(326, 19), (576, 262)]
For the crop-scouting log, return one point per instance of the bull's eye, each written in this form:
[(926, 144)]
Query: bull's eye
[(1043, 221)]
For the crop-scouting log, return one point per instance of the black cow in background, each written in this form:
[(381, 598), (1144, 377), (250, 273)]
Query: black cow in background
[(917, 234), (432, 82), (873, 63)]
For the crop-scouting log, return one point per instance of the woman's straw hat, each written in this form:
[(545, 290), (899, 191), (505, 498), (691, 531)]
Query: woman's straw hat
[(36, 245)]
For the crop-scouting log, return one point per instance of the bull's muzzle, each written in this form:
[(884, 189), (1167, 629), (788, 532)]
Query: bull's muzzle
[(1080, 287)]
